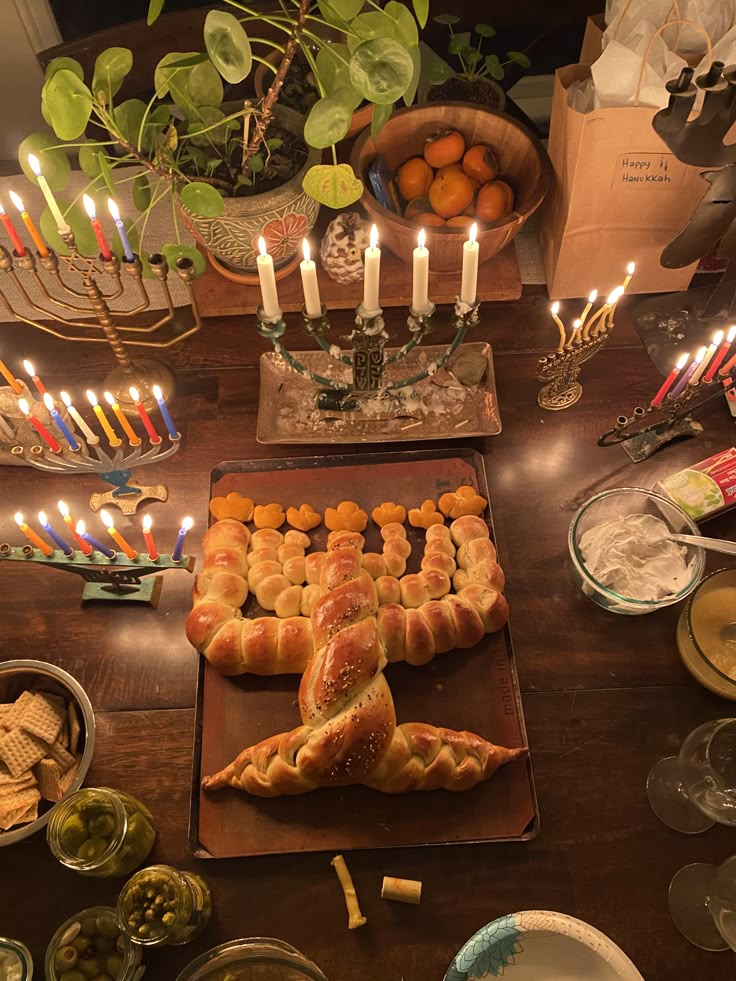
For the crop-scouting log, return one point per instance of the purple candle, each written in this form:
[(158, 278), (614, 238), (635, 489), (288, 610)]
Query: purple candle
[(65, 547), (83, 533), (690, 371)]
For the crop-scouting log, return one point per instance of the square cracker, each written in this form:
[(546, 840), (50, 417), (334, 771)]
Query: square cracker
[(24, 782), (18, 710), (67, 778), (43, 719), (62, 756), (19, 750), (48, 774), (75, 729), (22, 808)]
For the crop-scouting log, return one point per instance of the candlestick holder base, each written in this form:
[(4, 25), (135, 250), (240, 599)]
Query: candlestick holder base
[(559, 395), (646, 443), (117, 579), (130, 498), (147, 373), (561, 369)]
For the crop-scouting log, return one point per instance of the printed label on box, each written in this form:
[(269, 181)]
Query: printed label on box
[(706, 488), (652, 170)]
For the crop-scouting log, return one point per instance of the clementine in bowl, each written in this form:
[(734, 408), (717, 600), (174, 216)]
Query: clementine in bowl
[(450, 194), (414, 178), (456, 168), (444, 148)]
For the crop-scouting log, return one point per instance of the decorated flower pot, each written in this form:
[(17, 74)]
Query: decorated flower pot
[(283, 216)]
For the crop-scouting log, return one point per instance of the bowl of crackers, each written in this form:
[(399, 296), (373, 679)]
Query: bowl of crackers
[(47, 738)]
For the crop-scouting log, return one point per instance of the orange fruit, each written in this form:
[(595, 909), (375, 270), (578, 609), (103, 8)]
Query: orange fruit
[(480, 163), (460, 221), (417, 206), (444, 148), (427, 218), (451, 194), (414, 177), (495, 200), (457, 168), (476, 185)]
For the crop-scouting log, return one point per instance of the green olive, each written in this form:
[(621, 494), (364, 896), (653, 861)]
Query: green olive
[(65, 958), (108, 927), (73, 832), (80, 944), (72, 976), (103, 977), (92, 848), (89, 926), (89, 966), (102, 826), (114, 965), (104, 945)]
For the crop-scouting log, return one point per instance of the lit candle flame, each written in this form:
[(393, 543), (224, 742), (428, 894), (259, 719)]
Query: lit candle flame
[(731, 335), (157, 393), (555, 308), (681, 362), (113, 209), (615, 296), (473, 233), (109, 398), (92, 397), (147, 523), (306, 250), (17, 201), (717, 337), (63, 509), (374, 237), (262, 246), (187, 523), (421, 238), (81, 528), (106, 519), (593, 296), (89, 205), (23, 406), (700, 355), (630, 269), (18, 518), (66, 398), (28, 367), (134, 394), (34, 164), (576, 324), (42, 519), (48, 401)]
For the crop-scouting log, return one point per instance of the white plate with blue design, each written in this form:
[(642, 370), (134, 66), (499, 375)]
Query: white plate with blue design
[(539, 945)]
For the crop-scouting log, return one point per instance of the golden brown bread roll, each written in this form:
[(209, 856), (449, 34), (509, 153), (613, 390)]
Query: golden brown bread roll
[(266, 537)]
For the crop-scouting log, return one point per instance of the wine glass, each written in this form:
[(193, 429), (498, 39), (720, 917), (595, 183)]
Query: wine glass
[(693, 791), (702, 901)]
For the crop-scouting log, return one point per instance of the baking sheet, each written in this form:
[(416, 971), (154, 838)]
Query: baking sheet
[(476, 690)]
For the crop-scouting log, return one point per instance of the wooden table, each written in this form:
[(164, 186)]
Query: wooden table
[(605, 696)]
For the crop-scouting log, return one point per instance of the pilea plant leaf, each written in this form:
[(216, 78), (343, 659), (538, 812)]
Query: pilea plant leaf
[(381, 69), (111, 67), (381, 115), (79, 223), (407, 29), (54, 162), (141, 192), (69, 104), (227, 45), (421, 11), (334, 185), (154, 10), (202, 199), (329, 119)]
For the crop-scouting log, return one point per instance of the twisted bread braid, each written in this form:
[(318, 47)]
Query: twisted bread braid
[(349, 733)]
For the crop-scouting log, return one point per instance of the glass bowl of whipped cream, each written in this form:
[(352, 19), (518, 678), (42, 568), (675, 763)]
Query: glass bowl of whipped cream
[(622, 556)]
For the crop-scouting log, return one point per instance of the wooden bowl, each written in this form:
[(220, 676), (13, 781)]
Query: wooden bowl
[(522, 159)]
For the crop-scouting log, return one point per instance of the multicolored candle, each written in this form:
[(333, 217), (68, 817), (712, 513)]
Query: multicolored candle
[(64, 429), (728, 367), (61, 223), (32, 537), (133, 439), (28, 222), (148, 537), (718, 360), (165, 415), (20, 249), (112, 531), (10, 378), (89, 207), (145, 418), (81, 530), (689, 372), (181, 535), (64, 512), (63, 545), (39, 427), (112, 437), (89, 436), (670, 381), (124, 240), (705, 361)]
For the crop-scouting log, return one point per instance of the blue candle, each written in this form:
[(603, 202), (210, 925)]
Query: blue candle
[(63, 545), (56, 416), (83, 533), (124, 240), (185, 526), (158, 395)]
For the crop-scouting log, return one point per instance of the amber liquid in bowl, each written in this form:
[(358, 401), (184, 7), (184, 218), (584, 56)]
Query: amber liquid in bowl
[(708, 625)]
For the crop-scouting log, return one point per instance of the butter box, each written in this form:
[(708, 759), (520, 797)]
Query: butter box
[(706, 488)]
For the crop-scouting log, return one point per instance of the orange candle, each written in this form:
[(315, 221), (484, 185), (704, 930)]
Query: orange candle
[(148, 537), (28, 222), (112, 531), (8, 376), (125, 425), (64, 512), (32, 537), (20, 249), (30, 370)]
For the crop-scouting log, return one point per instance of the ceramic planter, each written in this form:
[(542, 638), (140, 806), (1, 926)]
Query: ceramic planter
[(283, 216)]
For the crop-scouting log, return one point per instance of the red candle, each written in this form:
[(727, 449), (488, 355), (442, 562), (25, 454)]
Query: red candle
[(669, 381), (64, 512), (148, 538), (730, 337), (12, 234), (145, 419), (40, 387), (39, 427), (89, 207)]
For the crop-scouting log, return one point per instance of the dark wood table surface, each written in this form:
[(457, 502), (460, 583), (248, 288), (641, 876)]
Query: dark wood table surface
[(605, 696)]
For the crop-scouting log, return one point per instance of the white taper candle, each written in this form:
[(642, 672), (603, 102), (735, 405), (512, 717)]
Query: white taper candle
[(310, 285), (420, 276), (469, 283), (267, 279), (372, 278)]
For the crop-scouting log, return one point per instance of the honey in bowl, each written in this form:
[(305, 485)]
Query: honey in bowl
[(710, 626)]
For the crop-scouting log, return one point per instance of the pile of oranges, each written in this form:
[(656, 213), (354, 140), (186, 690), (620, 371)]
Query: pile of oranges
[(453, 186)]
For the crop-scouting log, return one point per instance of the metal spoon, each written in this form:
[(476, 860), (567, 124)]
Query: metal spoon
[(712, 544)]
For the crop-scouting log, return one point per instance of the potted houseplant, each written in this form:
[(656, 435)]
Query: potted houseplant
[(478, 73), (238, 171)]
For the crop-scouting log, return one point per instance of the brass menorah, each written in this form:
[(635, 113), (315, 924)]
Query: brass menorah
[(62, 270)]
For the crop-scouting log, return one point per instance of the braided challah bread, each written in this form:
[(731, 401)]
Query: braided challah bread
[(349, 733)]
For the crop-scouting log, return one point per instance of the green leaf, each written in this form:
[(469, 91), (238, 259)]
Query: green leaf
[(421, 11), (494, 66), (174, 252), (191, 60), (89, 162), (334, 185), (333, 66), (54, 163), (374, 24), (154, 126), (166, 72), (106, 172), (154, 10), (344, 9), (485, 30), (448, 19), (60, 64), (128, 117), (406, 26), (472, 56), (194, 155), (208, 116), (227, 45), (435, 70), (329, 119), (111, 67), (141, 192), (457, 43), (381, 69), (520, 58), (202, 199), (204, 85), (79, 224), (69, 104), (274, 143), (381, 115), (411, 92), (255, 164)]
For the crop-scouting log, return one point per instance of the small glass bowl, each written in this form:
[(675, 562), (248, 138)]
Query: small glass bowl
[(699, 636), (15, 949), (618, 503), (254, 959)]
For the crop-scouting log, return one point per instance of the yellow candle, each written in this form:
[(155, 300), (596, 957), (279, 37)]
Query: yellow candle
[(630, 269), (125, 425), (554, 310), (102, 419), (584, 315), (575, 336), (32, 537), (61, 223), (28, 222), (8, 376), (112, 531), (615, 296)]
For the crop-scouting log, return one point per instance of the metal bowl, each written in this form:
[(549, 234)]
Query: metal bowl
[(15, 677)]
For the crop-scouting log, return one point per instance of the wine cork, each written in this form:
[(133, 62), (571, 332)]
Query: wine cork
[(355, 917), (401, 890)]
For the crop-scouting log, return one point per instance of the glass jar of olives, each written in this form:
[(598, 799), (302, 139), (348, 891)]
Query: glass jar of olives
[(101, 832), (91, 947), (161, 905)]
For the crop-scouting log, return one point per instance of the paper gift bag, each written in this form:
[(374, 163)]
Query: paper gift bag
[(619, 195), (593, 39)]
